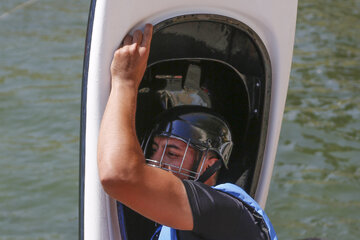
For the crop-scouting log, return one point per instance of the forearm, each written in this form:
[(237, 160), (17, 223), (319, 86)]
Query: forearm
[(119, 153)]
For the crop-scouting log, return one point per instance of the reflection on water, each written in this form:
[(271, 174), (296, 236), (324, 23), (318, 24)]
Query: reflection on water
[(315, 189)]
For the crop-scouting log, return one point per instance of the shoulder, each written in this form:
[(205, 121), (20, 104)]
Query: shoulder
[(218, 213), (206, 201), (202, 196), (198, 191)]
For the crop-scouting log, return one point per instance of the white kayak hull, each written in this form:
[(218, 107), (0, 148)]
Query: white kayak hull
[(272, 20)]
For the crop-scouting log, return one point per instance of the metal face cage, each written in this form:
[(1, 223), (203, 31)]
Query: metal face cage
[(174, 154)]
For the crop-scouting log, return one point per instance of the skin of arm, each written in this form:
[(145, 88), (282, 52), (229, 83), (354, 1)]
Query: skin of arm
[(124, 175)]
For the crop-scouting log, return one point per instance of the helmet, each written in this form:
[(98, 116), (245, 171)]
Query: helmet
[(196, 127)]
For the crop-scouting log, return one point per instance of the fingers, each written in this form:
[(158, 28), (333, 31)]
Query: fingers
[(147, 35), (128, 40), (137, 38)]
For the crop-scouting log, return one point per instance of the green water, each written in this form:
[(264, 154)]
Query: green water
[(316, 182), (41, 52)]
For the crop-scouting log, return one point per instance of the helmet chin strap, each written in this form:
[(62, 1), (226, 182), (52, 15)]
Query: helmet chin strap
[(210, 171)]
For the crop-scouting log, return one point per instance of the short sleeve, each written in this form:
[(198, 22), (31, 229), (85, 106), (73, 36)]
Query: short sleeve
[(218, 215)]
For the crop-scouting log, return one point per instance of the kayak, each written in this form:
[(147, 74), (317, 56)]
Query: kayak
[(232, 56)]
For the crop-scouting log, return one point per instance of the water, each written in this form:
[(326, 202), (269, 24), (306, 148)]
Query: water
[(315, 189), (41, 49), (316, 182)]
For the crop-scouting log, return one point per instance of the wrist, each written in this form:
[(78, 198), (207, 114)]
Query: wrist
[(124, 85)]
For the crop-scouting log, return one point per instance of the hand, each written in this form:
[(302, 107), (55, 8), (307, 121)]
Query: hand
[(130, 60)]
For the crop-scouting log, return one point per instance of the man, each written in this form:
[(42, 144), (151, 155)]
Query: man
[(170, 198)]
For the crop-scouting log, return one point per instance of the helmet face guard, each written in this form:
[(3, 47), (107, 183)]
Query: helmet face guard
[(184, 136), (173, 154)]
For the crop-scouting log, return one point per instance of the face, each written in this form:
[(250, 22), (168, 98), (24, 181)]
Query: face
[(173, 155)]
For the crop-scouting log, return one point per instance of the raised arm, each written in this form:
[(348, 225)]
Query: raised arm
[(152, 192)]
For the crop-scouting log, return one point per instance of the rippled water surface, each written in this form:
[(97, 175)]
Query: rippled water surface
[(316, 182), (41, 52)]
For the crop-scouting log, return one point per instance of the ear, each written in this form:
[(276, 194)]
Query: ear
[(210, 161)]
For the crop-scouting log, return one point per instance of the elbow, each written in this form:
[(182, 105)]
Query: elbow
[(107, 177), (116, 178), (110, 177), (112, 182)]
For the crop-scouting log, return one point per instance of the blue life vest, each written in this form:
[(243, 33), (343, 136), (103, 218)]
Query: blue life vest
[(167, 233)]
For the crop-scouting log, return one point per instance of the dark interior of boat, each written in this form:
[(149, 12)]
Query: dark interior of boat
[(215, 62)]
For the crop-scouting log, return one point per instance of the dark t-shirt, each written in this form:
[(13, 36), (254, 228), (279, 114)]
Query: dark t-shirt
[(220, 216)]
